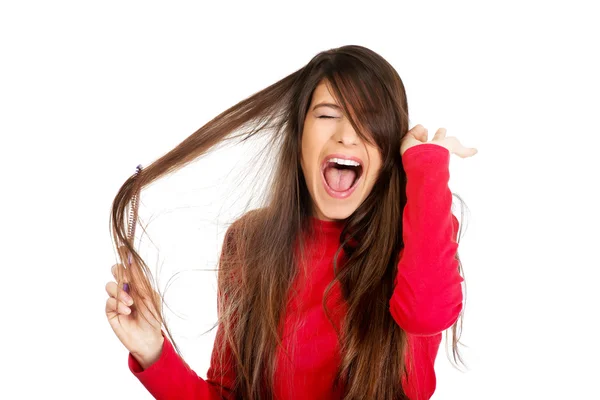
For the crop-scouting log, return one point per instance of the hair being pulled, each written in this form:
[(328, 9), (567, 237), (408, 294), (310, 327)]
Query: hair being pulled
[(258, 260)]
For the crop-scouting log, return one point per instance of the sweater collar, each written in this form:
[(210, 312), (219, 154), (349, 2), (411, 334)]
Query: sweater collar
[(327, 226)]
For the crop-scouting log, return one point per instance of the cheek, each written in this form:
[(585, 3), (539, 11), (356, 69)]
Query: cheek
[(374, 161), (374, 168), (306, 164), (310, 154)]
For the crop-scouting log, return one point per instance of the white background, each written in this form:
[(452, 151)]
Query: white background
[(89, 90)]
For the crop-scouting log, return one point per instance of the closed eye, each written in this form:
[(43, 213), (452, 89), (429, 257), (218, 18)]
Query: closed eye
[(325, 116)]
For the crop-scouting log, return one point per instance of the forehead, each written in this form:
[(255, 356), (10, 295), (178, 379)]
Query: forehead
[(322, 94)]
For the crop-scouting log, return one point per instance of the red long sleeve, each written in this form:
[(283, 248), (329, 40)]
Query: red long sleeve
[(427, 299), (171, 378), (428, 296)]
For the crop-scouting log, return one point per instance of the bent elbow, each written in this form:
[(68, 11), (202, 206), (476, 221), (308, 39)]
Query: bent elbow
[(427, 320)]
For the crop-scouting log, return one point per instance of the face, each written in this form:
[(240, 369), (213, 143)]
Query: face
[(339, 167)]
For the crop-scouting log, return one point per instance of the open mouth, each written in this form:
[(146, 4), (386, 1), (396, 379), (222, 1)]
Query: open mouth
[(341, 175)]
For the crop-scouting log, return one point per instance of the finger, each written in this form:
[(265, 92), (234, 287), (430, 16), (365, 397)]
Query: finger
[(459, 149), (465, 152), (116, 307), (113, 291), (440, 134), (419, 132), (115, 270)]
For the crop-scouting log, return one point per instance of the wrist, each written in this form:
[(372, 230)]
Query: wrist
[(150, 353)]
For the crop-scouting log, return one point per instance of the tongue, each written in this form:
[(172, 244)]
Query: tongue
[(339, 180)]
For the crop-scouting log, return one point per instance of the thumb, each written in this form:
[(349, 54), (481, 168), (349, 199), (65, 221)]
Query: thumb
[(419, 132)]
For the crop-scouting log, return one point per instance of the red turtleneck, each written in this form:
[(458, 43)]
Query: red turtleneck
[(427, 300)]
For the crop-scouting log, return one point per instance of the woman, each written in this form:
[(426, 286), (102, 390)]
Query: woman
[(340, 286)]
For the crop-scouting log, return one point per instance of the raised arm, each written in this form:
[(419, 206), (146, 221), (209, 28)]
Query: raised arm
[(427, 297)]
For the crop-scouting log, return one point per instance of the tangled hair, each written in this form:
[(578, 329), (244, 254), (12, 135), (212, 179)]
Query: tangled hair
[(259, 256)]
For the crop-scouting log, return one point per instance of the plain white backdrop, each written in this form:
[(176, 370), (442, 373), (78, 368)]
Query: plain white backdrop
[(89, 90)]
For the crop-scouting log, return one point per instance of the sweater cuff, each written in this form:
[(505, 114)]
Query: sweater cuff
[(423, 154)]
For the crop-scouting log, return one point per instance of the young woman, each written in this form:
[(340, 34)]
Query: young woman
[(340, 286)]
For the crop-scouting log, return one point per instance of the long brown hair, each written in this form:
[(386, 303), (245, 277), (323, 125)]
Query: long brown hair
[(259, 258)]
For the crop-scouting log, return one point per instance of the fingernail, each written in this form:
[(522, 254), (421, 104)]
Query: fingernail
[(126, 287)]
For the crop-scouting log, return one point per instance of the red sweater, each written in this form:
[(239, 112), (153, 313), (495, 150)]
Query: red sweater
[(427, 300)]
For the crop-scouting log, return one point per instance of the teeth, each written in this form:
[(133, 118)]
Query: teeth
[(341, 161)]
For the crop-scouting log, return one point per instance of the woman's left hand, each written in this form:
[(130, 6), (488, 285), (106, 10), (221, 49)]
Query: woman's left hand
[(418, 135)]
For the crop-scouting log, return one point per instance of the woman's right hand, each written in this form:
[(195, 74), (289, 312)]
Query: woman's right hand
[(135, 326)]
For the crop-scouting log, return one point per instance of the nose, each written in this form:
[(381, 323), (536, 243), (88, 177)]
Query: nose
[(346, 135)]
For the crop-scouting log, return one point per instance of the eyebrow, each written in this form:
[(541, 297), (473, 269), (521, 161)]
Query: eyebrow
[(325, 104)]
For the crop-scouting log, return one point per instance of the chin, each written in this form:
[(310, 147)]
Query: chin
[(336, 211), (336, 215)]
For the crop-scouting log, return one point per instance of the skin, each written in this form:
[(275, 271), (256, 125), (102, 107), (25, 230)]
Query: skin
[(138, 331), (418, 136), (321, 137), (324, 136)]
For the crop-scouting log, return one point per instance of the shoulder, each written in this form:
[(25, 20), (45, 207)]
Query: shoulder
[(243, 226), (246, 220)]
